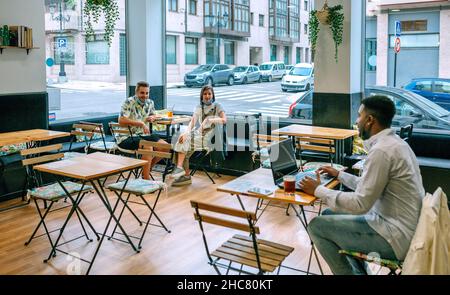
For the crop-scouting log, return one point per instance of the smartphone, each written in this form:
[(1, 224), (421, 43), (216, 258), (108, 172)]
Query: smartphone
[(261, 191)]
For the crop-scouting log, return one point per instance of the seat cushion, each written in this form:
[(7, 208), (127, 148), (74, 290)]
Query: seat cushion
[(99, 146), (54, 192), (138, 186)]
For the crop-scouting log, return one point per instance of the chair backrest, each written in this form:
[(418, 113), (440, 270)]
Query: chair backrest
[(147, 148), (31, 157), (249, 216), (315, 144), (118, 130), (406, 132), (87, 132), (263, 140)]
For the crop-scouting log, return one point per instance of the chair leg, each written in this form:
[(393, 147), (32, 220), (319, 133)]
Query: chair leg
[(152, 212), (41, 222), (125, 205)]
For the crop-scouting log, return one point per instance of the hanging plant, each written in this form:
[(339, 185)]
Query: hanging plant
[(332, 17), (92, 11)]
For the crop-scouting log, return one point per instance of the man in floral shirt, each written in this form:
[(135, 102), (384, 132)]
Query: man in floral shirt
[(137, 111)]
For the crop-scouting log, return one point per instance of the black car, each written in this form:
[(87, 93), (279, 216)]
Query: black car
[(410, 108)]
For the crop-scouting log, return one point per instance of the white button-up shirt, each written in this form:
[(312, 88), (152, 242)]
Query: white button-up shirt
[(389, 193)]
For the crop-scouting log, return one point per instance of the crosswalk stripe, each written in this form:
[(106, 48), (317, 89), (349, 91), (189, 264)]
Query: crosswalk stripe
[(266, 98), (275, 108), (246, 96)]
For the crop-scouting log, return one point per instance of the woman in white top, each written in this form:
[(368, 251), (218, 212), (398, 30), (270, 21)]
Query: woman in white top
[(199, 134)]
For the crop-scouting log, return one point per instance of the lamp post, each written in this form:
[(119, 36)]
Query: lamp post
[(225, 21), (60, 18)]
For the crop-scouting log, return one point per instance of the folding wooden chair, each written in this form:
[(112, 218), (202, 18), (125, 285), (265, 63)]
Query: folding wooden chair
[(263, 255), (315, 148), (100, 144), (118, 130), (147, 148), (51, 193)]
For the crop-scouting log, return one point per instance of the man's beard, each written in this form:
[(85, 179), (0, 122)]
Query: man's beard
[(364, 134)]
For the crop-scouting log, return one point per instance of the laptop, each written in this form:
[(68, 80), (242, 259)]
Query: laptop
[(283, 162)]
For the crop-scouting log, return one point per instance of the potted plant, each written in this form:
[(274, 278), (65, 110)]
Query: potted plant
[(330, 16), (92, 11)]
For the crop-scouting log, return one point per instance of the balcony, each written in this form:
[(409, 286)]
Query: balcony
[(70, 21)]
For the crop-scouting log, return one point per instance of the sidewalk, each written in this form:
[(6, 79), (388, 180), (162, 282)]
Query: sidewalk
[(95, 85)]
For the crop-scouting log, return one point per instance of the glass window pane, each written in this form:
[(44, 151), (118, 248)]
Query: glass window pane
[(97, 52), (171, 49)]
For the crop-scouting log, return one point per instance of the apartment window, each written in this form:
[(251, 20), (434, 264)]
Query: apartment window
[(229, 52), (261, 20), (286, 55), (191, 55), (371, 55), (211, 52), (173, 5), (306, 5), (97, 50), (171, 49), (415, 26), (273, 52), (298, 55), (193, 7), (251, 18), (67, 54), (241, 16)]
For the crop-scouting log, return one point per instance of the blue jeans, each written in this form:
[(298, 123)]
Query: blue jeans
[(332, 232)]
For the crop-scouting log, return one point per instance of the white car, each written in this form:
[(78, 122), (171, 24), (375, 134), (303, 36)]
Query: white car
[(300, 78), (272, 70)]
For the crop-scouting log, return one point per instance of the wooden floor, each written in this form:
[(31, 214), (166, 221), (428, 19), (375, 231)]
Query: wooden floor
[(180, 252)]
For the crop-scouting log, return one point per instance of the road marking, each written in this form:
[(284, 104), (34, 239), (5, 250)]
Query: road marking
[(266, 98), (245, 96)]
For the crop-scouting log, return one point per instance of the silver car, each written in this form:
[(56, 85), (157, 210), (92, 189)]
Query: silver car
[(246, 74)]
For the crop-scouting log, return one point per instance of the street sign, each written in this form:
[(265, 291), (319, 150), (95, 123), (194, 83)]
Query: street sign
[(62, 42), (398, 29), (397, 45)]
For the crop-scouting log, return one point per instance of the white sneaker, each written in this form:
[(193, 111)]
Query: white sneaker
[(177, 173)]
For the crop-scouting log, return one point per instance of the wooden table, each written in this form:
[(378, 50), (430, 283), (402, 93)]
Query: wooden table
[(29, 136), (338, 135), (171, 123), (90, 169), (262, 178)]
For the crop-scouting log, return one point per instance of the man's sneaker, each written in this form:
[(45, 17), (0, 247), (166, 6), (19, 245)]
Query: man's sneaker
[(183, 180), (177, 173)]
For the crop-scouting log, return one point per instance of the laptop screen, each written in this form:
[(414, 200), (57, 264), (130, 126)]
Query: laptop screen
[(282, 160)]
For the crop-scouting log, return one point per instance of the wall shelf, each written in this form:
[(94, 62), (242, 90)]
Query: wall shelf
[(26, 48)]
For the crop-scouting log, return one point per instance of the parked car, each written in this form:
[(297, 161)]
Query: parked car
[(435, 89), (210, 74), (288, 68), (272, 70), (245, 74), (300, 78), (410, 108)]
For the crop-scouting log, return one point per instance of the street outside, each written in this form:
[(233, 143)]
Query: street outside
[(90, 99)]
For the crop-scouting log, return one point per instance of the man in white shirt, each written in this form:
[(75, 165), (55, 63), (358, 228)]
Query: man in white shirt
[(381, 215)]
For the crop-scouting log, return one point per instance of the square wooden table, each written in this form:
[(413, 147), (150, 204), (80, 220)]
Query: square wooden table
[(90, 169), (262, 178), (29, 136), (338, 135)]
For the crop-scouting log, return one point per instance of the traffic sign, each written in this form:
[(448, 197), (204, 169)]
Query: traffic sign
[(398, 29), (62, 42), (397, 45)]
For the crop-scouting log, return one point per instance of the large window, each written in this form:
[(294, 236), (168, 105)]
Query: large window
[(413, 77), (171, 49), (97, 50), (86, 78), (191, 51), (261, 20), (241, 16), (229, 52)]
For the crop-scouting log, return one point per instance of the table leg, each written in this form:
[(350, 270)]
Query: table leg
[(304, 221)]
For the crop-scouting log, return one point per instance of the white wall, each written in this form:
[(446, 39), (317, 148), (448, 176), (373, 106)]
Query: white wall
[(19, 72)]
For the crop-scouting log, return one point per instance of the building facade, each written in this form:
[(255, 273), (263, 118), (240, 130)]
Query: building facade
[(85, 59), (425, 40), (235, 32)]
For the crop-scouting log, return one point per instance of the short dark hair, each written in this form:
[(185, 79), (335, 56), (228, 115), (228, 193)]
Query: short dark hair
[(381, 107), (141, 84)]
